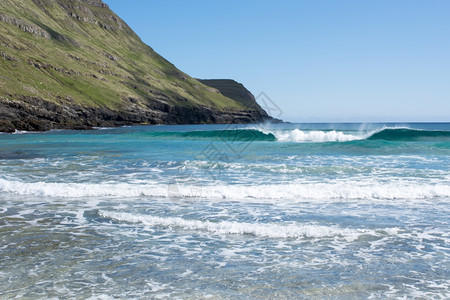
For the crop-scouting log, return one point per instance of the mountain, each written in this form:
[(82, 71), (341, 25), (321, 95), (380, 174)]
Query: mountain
[(76, 64)]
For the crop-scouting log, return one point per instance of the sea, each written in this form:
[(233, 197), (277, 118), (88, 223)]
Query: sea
[(259, 211)]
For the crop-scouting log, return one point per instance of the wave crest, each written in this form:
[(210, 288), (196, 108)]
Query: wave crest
[(294, 191), (298, 135), (269, 230), (242, 135), (407, 134)]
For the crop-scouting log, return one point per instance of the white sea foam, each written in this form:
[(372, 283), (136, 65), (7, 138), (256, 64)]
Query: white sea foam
[(78, 190), (340, 190), (297, 135), (102, 128), (271, 230), (21, 132), (319, 136)]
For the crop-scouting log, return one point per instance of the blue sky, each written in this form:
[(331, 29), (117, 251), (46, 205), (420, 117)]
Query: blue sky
[(357, 61)]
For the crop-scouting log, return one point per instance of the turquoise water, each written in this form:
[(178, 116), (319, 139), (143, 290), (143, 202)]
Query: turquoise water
[(238, 212)]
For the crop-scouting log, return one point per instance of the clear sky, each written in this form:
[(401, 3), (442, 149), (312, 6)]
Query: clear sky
[(327, 60)]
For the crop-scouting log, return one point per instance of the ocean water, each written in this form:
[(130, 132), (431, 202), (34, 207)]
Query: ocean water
[(304, 211)]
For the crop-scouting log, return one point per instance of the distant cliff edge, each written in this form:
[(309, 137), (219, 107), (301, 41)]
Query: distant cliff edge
[(74, 64), (238, 92)]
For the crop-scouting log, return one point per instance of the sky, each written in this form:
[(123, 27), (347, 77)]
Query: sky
[(317, 61)]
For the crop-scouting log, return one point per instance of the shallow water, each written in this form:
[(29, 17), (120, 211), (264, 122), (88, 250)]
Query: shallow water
[(252, 211)]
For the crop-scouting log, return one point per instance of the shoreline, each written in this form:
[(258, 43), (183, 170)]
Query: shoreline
[(35, 114)]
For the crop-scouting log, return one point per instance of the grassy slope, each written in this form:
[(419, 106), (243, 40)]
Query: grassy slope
[(84, 63)]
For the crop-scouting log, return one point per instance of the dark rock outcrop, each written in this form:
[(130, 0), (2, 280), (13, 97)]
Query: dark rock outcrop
[(24, 25), (36, 114), (234, 90)]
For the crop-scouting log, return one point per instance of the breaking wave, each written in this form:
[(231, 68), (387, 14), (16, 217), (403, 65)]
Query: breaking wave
[(346, 190), (270, 230), (312, 136)]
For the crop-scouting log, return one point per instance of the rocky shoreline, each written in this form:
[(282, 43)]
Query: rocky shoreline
[(36, 114)]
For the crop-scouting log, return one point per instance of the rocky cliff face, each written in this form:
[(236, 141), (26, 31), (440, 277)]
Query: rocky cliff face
[(234, 90), (75, 64)]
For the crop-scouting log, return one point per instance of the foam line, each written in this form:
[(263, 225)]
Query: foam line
[(270, 230), (346, 190)]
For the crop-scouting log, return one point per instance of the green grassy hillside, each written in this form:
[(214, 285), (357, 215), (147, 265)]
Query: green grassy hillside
[(78, 55)]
